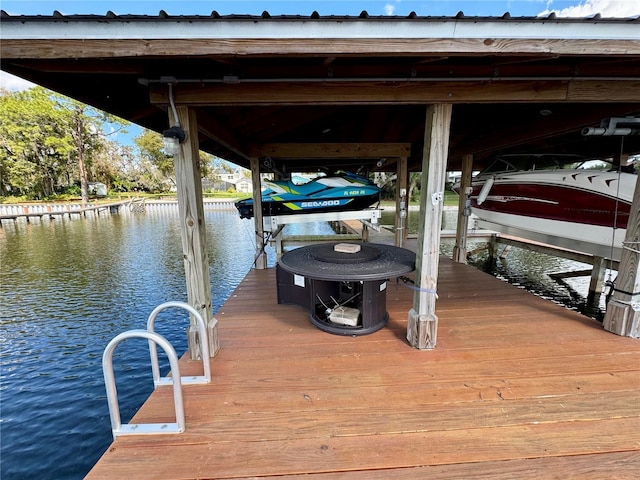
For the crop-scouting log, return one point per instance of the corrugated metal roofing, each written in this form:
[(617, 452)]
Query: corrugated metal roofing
[(316, 26), (364, 15)]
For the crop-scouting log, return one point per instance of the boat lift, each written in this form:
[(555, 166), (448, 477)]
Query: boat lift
[(275, 224)]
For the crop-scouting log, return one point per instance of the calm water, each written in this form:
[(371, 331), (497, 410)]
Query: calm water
[(67, 287)]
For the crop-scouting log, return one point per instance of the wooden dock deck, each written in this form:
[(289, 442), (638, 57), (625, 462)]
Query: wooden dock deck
[(517, 387)]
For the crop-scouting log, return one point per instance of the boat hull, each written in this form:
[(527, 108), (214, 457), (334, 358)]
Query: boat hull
[(595, 240), (579, 210)]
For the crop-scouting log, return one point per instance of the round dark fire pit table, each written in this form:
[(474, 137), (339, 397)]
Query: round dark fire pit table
[(343, 285)]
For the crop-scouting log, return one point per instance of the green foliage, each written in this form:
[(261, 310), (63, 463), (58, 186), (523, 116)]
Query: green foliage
[(52, 146), (48, 142), (151, 150), (35, 143), (73, 190), (13, 199)]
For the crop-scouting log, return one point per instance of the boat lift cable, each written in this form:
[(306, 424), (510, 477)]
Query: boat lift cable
[(407, 282), (265, 241), (609, 280)]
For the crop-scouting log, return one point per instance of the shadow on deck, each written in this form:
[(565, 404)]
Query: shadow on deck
[(517, 387)]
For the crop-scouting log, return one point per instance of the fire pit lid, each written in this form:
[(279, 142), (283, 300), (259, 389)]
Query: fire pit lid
[(373, 262)]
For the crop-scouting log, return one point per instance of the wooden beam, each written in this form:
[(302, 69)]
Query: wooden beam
[(402, 201), (464, 211), (260, 261), (135, 48), (623, 311), (394, 93), (212, 128), (422, 328), (596, 283), (193, 232), (331, 150)]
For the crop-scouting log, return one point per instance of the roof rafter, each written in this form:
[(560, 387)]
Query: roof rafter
[(372, 92)]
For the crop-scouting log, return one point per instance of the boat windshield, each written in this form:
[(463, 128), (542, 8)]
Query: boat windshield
[(512, 163), (591, 165)]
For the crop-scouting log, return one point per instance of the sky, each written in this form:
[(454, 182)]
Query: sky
[(516, 8), (327, 7)]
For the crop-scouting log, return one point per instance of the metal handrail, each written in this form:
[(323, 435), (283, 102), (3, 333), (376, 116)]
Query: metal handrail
[(117, 428), (204, 345)]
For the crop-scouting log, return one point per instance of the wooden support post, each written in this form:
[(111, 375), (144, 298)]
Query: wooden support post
[(402, 201), (492, 248), (623, 311), (464, 211), (260, 257), (422, 327), (193, 233), (597, 281)]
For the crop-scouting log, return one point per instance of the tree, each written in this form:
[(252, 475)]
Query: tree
[(35, 144), (86, 126), (112, 164), (151, 149), (43, 135)]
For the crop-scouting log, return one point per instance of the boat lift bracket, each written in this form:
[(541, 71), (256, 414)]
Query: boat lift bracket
[(370, 216), (275, 224)]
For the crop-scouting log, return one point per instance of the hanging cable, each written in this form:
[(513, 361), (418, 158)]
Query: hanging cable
[(176, 120), (175, 135), (615, 214)]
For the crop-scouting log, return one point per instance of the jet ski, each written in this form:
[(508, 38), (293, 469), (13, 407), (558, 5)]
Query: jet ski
[(338, 192)]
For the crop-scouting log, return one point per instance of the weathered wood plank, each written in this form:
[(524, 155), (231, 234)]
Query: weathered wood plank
[(239, 398), (331, 150), (316, 416), (119, 47), (258, 457), (422, 326), (612, 466), (192, 231), (464, 210), (352, 93)]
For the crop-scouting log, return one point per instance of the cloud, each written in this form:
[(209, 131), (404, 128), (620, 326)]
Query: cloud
[(606, 8), (13, 83), (389, 9)]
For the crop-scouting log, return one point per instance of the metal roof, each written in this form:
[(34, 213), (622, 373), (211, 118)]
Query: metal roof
[(316, 26)]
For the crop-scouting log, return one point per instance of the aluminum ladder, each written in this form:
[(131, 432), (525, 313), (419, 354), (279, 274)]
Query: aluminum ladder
[(176, 380)]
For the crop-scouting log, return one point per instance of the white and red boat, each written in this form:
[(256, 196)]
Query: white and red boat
[(562, 200)]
